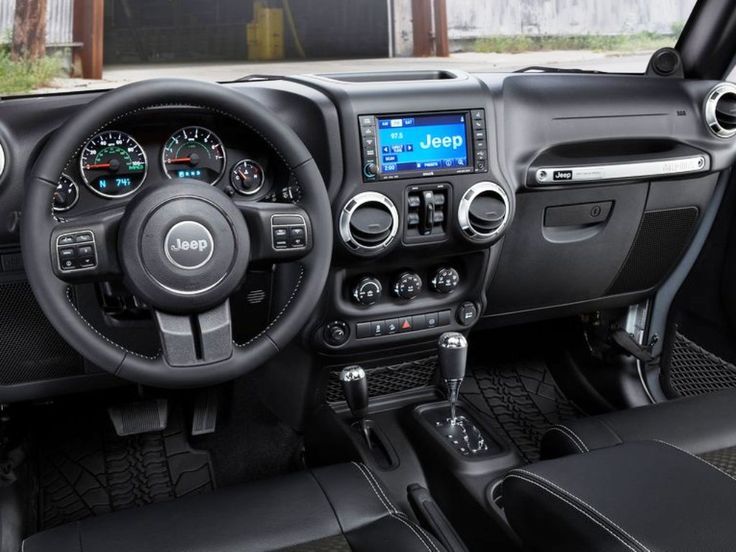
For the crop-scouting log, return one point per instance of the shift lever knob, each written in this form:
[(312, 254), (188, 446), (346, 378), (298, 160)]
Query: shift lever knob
[(453, 355), (355, 388)]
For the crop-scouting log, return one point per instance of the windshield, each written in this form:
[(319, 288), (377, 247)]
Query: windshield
[(70, 45)]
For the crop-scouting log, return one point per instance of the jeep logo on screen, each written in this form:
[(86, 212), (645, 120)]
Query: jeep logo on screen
[(437, 142), (189, 245), (562, 175)]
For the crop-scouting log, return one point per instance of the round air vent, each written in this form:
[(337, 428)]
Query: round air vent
[(369, 222), (483, 211), (720, 110)]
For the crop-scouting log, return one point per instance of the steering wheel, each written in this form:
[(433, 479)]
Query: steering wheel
[(181, 246)]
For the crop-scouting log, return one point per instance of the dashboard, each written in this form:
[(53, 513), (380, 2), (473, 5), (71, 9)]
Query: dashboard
[(458, 200)]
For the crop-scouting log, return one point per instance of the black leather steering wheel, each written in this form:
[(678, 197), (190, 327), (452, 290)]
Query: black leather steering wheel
[(183, 247)]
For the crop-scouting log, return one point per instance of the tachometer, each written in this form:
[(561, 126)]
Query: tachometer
[(194, 152), (113, 164)]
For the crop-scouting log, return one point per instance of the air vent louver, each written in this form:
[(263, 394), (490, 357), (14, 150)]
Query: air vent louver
[(720, 110)]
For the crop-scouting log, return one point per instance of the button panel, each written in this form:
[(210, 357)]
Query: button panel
[(76, 251), (288, 232), (416, 322)]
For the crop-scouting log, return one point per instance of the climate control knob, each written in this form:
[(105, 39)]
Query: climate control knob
[(445, 280), (407, 285), (367, 291)]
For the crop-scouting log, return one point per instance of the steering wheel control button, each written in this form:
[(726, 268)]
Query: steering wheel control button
[(367, 291), (407, 285), (288, 232), (445, 280), (76, 251), (189, 245), (467, 313)]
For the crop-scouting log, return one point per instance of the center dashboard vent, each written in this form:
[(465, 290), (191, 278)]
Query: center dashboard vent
[(369, 222), (483, 212), (720, 110)]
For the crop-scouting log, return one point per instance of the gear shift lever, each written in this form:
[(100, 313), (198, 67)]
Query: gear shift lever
[(355, 388), (453, 354)]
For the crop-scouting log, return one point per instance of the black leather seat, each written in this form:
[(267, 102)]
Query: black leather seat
[(660, 477), (337, 508), (637, 497), (703, 425)]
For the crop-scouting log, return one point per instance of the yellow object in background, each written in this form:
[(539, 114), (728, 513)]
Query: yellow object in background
[(265, 33)]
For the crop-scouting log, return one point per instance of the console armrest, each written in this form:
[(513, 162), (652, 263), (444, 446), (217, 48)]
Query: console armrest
[(641, 496)]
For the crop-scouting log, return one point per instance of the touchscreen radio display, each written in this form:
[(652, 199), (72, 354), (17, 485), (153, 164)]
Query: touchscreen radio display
[(422, 143)]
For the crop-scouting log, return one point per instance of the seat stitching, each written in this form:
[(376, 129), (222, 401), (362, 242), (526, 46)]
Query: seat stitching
[(568, 437), (413, 530), (713, 466), (370, 473), (360, 469), (575, 435), (572, 496), (392, 511), (574, 506)]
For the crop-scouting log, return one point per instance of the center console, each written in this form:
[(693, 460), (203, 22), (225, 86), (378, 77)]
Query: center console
[(422, 207)]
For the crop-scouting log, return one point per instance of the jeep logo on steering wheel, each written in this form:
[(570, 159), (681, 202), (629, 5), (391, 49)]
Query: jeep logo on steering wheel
[(189, 245)]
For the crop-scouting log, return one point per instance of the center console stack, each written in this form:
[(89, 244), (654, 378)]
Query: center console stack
[(418, 216)]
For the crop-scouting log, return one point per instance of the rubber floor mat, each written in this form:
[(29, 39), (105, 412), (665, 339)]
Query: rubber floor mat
[(85, 469), (689, 369), (521, 400)]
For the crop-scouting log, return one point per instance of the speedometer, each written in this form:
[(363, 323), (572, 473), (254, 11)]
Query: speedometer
[(113, 164), (194, 152)]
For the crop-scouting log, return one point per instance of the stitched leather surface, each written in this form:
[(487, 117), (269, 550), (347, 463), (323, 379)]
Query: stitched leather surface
[(342, 507), (696, 424), (641, 496)]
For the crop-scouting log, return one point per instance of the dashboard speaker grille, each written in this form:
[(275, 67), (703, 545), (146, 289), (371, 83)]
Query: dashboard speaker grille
[(30, 348), (659, 243)]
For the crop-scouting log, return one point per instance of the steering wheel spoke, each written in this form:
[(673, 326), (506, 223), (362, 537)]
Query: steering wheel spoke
[(197, 339), (282, 232), (85, 248)]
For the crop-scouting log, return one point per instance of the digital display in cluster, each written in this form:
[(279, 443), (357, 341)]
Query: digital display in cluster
[(423, 142)]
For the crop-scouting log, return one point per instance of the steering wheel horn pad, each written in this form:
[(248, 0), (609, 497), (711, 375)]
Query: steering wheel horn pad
[(198, 225)]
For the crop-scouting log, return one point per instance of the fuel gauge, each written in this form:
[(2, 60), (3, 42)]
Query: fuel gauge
[(66, 194)]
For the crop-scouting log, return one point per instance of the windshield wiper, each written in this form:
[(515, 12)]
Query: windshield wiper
[(543, 69)]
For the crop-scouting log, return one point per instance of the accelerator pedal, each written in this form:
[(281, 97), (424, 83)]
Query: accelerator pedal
[(139, 417), (204, 418)]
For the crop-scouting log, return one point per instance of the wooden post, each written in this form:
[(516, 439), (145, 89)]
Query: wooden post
[(29, 29), (421, 12), (89, 21), (441, 41)]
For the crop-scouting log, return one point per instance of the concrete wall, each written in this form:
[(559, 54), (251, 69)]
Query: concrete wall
[(477, 18)]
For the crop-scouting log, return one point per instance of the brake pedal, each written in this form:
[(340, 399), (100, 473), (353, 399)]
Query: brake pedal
[(139, 417), (204, 418)]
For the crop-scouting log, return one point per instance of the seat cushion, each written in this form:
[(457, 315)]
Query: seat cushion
[(636, 497), (701, 425), (336, 508)]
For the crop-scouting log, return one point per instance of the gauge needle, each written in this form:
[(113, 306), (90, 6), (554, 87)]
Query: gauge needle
[(98, 166), (179, 160), (243, 176)]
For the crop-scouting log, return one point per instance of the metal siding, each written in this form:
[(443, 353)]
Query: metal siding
[(58, 21), (477, 18)]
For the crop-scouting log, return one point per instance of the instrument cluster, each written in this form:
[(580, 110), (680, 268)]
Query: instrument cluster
[(117, 162)]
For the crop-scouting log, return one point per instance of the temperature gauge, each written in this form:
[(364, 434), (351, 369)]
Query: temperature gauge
[(247, 177), (66, 194)]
